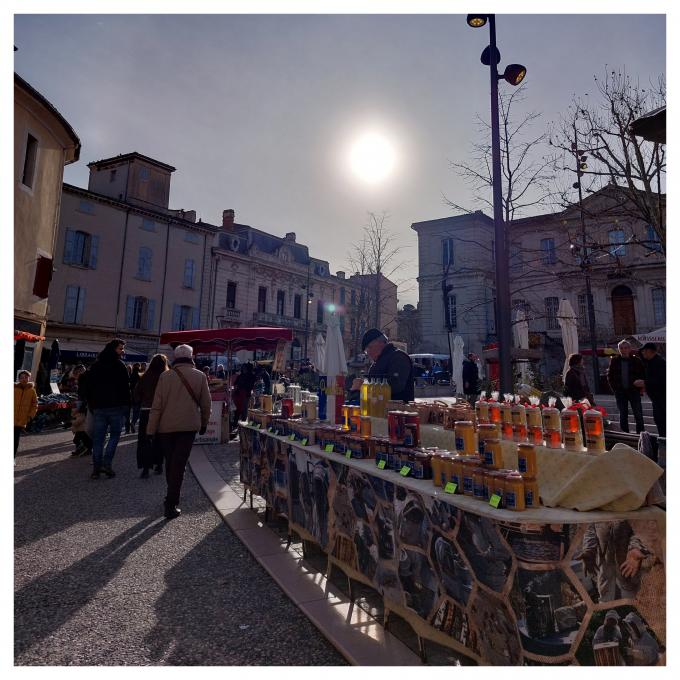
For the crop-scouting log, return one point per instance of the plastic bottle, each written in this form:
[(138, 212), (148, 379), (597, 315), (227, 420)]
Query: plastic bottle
[(388, 396), (364, 397), (594, 425)]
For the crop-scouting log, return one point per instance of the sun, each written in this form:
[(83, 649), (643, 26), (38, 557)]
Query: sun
[(372, 157)]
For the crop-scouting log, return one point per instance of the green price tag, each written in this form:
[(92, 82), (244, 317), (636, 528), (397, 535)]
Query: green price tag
[(405, 471), (292, 437), (381, 464), (494, 500), (270, 429), (251, 423), (304, 442), (348, 454), (258, 426), (450, 487), (329, 448)]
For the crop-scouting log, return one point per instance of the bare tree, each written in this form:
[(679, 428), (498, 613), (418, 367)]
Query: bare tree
[(632, 169)]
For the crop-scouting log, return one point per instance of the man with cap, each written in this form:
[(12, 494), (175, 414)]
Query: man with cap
[(655, 384), (389, 362), (181, 407)]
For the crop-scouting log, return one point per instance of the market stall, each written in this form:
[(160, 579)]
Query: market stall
[(499, 586)]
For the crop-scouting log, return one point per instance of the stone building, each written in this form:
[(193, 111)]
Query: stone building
[(126, 264), (43, 143)]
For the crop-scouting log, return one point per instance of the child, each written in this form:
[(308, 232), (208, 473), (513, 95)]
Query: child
[(81, 439)]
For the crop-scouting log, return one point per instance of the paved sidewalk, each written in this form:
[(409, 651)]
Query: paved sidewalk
[(102, 579)]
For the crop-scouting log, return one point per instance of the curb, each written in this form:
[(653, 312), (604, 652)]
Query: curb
[(359, 638)]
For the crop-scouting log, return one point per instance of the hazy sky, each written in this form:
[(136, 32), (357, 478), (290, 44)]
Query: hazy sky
[(258, 113)]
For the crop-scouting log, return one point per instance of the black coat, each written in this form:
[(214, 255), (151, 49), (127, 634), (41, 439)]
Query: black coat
[(470, 378), (576, 384), (655, 378), (636, 371), (108, 384), (397, 367)]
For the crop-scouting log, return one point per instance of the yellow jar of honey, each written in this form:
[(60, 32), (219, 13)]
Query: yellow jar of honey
[(496, 485), (514, 492), (526, 460), (533, 414), (365, 426), (482, 411), (464, 432), (519, 414), (506, 413), (551, 419), (478, 474), (468, 468), (456, 473), (437, 467), (493, 453)]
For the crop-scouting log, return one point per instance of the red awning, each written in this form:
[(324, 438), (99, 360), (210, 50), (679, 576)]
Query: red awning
[(228, 339), (28, 337)]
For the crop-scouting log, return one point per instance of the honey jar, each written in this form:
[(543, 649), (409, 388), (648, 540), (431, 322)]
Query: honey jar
[(355, 419), (365, 426), (514, 492), (494, 412), (468, 468), (412, 428), (551, 419), (496, 485), (392, 457), (437, 461), (553, 439), (346, 409), (533, 414), (464, 432), (267, 403), (493, 453), (531, 496), (455, 472), (570, 421), (573, 441), (486, 431), (535, 435), (482, 411), (526, 460), (486, 482), (594, 427), (422, 467), (519, 414)]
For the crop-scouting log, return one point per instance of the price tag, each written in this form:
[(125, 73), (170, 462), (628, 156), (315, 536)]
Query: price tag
[(348, 454), (304, 442), (277, 433), (292, 437), (252, 423), (270, 429), (381, 464), (404, 472), (329, 448), (494, 500), (450, 487), (258, 426)]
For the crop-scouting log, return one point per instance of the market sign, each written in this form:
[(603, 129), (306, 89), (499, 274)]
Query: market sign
[(213, 432)]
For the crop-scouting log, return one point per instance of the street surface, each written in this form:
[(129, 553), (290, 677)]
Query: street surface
[(102, 579)]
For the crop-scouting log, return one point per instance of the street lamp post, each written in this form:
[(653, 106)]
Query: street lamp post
[(514, 74)]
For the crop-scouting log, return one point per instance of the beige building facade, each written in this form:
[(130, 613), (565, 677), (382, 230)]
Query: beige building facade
[(43, 143)]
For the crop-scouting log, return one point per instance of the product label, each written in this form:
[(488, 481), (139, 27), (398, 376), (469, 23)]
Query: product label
[(408, 439), (404, 472), (460, 444), (478, 490), (328, 448), (528, 498), (510, 500), (522, 464), (443, 478), (450, 487), (381, 464), (482, 451), (304, 442), (292, 437), (488, 457), (467, 484), (494, 501)]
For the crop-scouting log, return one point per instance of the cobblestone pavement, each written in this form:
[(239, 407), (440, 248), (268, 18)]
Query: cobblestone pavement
[(102, 579)]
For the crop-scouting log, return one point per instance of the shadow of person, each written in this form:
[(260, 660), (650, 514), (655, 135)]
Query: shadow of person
[(59, 596)]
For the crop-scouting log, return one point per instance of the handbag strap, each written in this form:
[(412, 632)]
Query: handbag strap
[(187, 385)]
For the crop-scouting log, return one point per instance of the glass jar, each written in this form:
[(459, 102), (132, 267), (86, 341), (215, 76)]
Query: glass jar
[(535, 435), (594, 427), (519, 432), (573, 441), (437, 462), (411, 428), (533, 414), (494, 412), (365, 426), (553, 439), (482, 412), (551, 419), (526, 460), (570, 421), (506, 413), (468, 468), (519, 414), (346, 408), (496, 485), (464, 432), (456, 473), (493, 453), (514, 492)]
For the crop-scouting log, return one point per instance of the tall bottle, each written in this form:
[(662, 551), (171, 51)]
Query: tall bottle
[(364, 397), (387, 396), (373, 397)]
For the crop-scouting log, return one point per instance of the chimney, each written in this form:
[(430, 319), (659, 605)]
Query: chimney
[(189, 215), (340, 275), (227, 218), (290, 236)]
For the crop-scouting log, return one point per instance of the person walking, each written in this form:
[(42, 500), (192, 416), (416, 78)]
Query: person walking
[(180, 408), (470, 378), (576, 381), (389, 362), (655, 384), (25, 406), (148, 450), (107, 391), (626, 375), (243, 388)]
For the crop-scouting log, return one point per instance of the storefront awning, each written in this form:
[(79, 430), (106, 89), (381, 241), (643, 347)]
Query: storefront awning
[(28, 337), (228, 339)]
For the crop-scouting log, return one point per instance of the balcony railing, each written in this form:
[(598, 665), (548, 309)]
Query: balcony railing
[(229, 314), (269, 319)]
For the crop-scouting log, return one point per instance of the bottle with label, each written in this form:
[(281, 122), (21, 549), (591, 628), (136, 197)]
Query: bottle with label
[(572, 436), (526, 460), (594, 425), (364, 397), (514, 492)]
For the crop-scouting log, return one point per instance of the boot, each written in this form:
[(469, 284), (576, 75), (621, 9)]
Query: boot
[(171, 511)]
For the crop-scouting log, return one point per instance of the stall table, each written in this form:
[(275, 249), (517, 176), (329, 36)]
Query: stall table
[(499, 587)]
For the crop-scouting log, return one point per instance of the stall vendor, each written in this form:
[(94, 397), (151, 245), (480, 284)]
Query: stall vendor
[(389, 362)]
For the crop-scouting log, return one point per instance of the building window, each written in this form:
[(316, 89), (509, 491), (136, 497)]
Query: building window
[(342, 296), (353, 298), (451, 314), (144, 264), (139, 313), (191, 237), (319, 311), (521, 304), (617, 240), (75, 302), (231, 295), (86, 207), (280, 302), (188, 274), (30, 161), (582, 309), (516, 259), (112, 176), (184, 318), (80, 248), (659, 306), (653, 242), (548, 251), (262, 300), (341, 320), (551, 306), (447, 253), (148, 225), (297, 306)]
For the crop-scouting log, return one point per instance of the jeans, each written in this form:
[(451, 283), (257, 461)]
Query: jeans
[(107, 419), (622, 399)]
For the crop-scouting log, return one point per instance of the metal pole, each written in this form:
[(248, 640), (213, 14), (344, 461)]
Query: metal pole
[(503, 322), (585, 266)]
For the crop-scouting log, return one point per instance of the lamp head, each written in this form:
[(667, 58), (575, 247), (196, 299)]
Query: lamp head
[(514, 73), (476, 20)]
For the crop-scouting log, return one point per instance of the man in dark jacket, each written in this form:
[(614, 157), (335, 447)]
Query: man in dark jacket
[(626, 375), (389, 362), (655, 384), (470, 378), (108, 397)]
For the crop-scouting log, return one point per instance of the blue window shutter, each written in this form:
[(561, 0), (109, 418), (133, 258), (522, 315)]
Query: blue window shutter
[(148, 263), (94, 248), (150, 314), (195, 320), (69, 244), (176, 317), (81, 305), (130, 311), (70, 304)]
